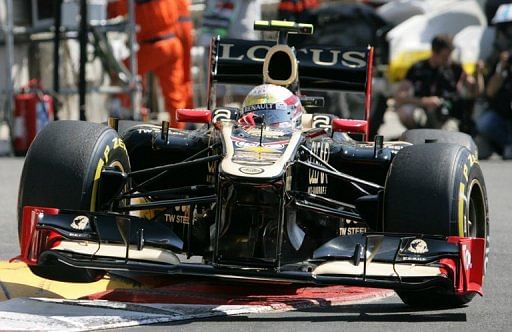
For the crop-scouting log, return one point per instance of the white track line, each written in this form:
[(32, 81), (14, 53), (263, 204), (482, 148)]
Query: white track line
[(26, 314)]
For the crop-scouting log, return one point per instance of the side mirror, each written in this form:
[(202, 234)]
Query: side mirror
[(194, 115), (350, 126)]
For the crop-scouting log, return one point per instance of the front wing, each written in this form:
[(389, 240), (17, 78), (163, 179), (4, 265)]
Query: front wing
[(120, 242)]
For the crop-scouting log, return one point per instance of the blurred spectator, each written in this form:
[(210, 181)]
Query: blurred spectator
[(160, 50), (185, 34), (436, 92), (495, 123), (229, 19)]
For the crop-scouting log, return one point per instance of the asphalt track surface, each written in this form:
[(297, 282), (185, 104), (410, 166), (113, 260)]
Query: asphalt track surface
[(493, 312)]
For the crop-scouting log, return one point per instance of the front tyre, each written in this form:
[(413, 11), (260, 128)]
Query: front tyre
[(63, 170), (436, 189), (422, 136)]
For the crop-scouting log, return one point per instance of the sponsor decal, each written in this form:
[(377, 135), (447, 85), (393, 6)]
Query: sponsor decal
[(255, 53), (251, 162), (247, 154), (251, 150), (416, 258), (318, 56), (268, 147), (80, 223), (260, 149), (118, 143), (251, 170), (318, 180), (329, 58), (264, 107), (180, 216), (467, 257), (79, 235), (261, 152), (418, 246), (352, 230), (350, 227), (260, 157), (255, 156), (144, 131), (212, 171), (264, 159), (289, 179), (212, 166), (273, 133)]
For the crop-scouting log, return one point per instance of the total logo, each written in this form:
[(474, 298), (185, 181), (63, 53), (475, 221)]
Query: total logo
[(80, 223), (418, 246), (251, 170)]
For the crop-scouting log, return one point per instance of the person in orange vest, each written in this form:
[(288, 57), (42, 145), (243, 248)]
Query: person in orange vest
[(160, 50), (185, 35)]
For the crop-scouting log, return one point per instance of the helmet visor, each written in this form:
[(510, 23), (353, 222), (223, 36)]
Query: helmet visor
[(271, 113)]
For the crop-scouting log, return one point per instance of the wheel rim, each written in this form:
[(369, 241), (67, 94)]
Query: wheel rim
[(476, 225)]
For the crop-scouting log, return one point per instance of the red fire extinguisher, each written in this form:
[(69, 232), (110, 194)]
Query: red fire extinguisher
[(33, 110)]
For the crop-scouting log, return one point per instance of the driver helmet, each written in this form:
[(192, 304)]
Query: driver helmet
[(274, 105)]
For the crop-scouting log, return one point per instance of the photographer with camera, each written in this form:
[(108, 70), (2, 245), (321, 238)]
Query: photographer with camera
[(495, 124), (436, 92)]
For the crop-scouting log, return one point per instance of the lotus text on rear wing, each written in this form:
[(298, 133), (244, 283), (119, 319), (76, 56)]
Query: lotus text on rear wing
[(321, 57)]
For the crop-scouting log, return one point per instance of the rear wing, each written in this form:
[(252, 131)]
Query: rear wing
[(236, 61)]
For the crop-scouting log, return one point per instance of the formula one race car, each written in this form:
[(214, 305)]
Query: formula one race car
[(266, 192)]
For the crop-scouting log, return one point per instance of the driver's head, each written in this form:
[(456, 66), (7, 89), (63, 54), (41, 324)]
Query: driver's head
[(442, 47), (502, 20), (273, 105)]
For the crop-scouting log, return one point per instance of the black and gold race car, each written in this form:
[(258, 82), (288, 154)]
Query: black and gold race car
[(319, 202)]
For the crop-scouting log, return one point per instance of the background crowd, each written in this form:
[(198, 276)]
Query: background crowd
[(435, 92)]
